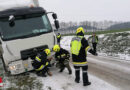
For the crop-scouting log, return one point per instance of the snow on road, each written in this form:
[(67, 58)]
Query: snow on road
[(64, 81)]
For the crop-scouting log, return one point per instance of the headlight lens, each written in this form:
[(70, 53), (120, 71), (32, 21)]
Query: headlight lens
[(12, 67)]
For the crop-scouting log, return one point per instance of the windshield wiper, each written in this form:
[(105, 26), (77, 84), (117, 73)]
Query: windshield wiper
[(25, 36), (32, 35)]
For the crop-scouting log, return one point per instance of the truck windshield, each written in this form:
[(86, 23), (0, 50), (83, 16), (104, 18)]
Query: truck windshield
[(24, 28)]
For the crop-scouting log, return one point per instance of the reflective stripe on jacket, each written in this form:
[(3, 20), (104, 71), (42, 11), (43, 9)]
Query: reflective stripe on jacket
[(42, 66), (38, 59), (58, 36)]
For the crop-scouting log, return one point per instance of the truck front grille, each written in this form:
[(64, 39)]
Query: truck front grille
[(25, 54)]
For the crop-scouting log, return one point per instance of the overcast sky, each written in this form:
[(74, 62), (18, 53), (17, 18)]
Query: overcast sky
[(93, 10)]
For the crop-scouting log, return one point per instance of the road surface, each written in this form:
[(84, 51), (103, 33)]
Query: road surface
[(115, 72)]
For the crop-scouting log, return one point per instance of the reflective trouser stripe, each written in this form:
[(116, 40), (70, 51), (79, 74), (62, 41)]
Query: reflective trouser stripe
[(77, 69), (40, 68), (84, 71)]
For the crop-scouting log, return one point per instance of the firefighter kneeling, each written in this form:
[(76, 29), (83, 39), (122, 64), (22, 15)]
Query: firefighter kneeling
[(40, 63), (62, 56)]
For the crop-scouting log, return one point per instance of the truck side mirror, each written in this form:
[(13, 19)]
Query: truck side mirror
[(11, 20), (57, 24), (54, 15)]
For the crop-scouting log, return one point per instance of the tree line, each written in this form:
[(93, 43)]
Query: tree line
[(92, 26)]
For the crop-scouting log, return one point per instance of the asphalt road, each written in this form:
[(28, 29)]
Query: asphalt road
[(114, 71)]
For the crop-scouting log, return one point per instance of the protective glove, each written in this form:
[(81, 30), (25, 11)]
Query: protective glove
[(49, 73), (63, 56)]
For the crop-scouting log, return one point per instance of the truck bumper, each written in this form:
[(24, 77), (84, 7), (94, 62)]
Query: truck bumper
[(20, 66)]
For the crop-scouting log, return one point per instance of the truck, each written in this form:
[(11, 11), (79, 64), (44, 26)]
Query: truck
[(24, 28)]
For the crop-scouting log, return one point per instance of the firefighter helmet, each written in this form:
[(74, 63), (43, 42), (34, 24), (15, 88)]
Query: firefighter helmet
[(47, 51), (80, 29), (56, 48)]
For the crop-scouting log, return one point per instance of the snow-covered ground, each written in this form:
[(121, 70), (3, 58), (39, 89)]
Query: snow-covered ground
[(64, 81)]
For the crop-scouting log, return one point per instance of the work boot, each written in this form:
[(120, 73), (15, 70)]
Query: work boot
[(76, 81), (86, 84), (61, 70)]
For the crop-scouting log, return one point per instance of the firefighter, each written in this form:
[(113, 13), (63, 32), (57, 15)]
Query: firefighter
[(40, 63), (58, 38), (79, 47), (94, 41), (62, 56)]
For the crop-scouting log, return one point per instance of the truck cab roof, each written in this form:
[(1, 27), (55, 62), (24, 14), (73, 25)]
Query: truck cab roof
[(22, 11)]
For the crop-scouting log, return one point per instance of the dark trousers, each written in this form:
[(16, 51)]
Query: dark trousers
[(58, 41), (84, 73), (94, 46), (63, 65)]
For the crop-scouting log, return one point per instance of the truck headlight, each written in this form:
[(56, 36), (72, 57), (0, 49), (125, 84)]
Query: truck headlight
[(12, 67)]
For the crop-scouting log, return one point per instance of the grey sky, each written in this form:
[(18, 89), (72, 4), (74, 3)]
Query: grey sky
[(94, 10)]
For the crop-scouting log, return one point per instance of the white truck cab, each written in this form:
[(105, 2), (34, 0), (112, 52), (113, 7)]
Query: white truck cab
[(22, 30)]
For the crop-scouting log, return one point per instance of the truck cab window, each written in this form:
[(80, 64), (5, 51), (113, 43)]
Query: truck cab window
[(23, 28)]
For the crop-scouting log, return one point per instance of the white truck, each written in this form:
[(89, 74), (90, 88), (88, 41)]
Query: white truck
[(23, 29)]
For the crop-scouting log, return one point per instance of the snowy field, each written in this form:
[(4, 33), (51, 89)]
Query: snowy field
[(65, 43)]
